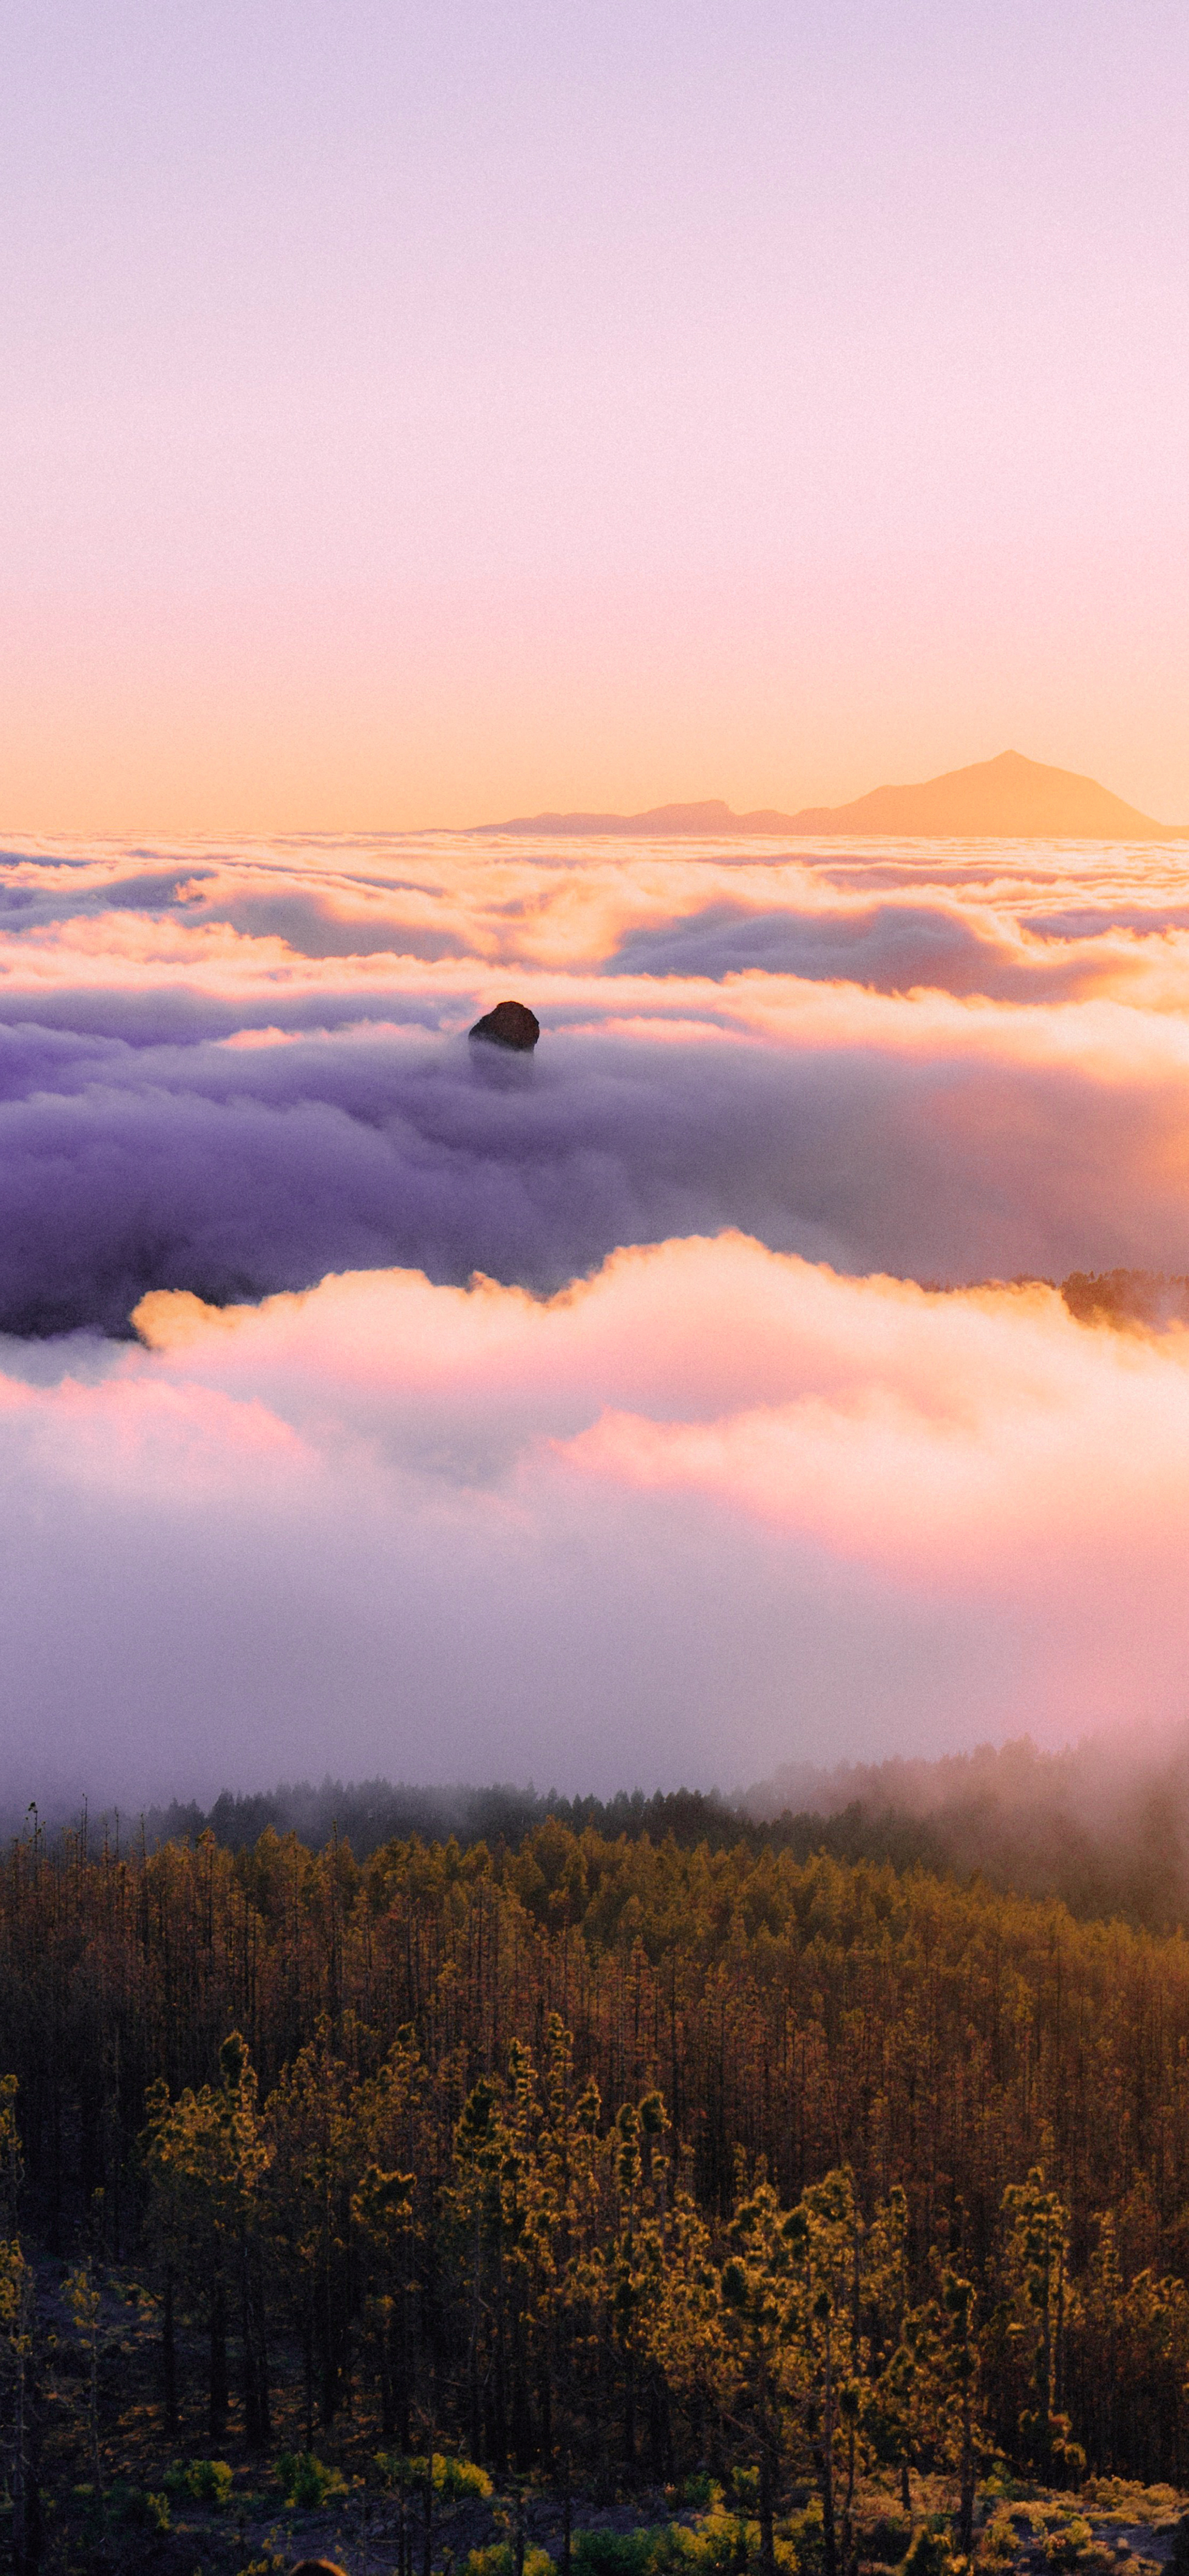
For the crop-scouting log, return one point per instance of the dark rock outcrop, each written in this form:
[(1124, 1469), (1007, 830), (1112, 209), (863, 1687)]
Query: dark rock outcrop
[(511, 1024)]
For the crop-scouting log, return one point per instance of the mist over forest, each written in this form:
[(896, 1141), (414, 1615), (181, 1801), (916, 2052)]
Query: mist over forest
[(1102, 1825)]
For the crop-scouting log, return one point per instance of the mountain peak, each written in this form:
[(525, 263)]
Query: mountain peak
[(1007, 798)]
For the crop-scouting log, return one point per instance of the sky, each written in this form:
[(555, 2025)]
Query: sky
[(692, 1396), (412, 415)]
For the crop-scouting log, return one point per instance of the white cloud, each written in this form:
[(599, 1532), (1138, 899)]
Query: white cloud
[(712, 1510)]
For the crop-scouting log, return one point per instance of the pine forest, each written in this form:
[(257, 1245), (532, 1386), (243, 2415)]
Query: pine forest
[(592, 2201)]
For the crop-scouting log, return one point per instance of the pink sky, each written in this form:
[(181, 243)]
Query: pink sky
[(412, 414)]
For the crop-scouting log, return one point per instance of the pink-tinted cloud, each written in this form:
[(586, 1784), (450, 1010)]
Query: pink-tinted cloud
[(201, 1088), (714, 1509), (612, 1513)]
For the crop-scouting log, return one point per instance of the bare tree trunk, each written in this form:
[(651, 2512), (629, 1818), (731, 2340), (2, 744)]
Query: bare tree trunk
[(169, 2360), (387, 2410), (966, 2477), (217, 2410), (20, 2495), (767, 2535), (545, 2413), (427, 2509), (473, 2340), (404, 2371), (26, 2487), (826, 2471), (96, 2453), (328, 2373), (1059, 2355), (521, 2409), (500, 2427), (247, 2354), (848, 2548), (254, 2358)]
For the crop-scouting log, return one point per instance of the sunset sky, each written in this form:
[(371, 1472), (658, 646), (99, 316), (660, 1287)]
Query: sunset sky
[(416, 414)]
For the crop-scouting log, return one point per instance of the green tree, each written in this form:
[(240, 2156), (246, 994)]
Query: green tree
[(316, 2162), (206, 2157), (1039, 2302), (381, 2214)]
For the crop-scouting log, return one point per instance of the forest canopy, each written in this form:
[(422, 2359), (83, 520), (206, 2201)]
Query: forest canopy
[(613, 2150), (1103, 1824)]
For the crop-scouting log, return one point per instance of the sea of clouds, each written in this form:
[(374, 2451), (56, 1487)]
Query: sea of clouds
[(622, 1414)]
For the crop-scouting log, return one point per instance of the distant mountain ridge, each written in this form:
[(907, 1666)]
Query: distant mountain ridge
[(1008, 798)]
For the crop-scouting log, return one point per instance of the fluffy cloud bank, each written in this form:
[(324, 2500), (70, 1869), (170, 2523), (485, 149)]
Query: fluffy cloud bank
[(935, 1147), (715, 1508), (233, 1072), (710, 1508)]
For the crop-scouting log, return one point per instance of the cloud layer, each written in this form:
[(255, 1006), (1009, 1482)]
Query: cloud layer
[(710, 1507), (234, 1072), (713, 1509)]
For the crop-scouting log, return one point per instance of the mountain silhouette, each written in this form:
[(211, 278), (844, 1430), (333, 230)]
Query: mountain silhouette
[(1007, 798)]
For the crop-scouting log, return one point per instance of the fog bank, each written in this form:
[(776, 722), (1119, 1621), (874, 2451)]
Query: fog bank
[(713, 1510)]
